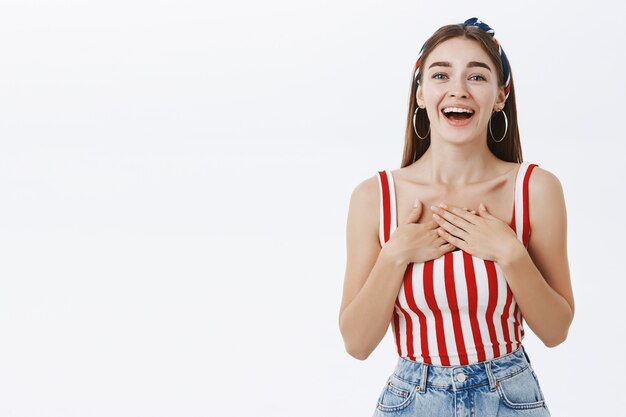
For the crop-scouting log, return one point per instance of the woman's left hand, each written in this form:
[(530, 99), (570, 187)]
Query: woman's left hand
[(482, 235)]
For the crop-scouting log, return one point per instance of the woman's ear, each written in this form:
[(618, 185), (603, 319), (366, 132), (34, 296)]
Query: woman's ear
[(500, 101), (419, 95)]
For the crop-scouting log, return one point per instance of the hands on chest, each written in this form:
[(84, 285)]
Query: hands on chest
[(478, 233)]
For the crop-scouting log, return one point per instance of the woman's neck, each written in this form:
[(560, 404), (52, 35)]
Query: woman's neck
[(458, 165)]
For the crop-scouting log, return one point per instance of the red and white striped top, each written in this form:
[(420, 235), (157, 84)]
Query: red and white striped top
[(457, 309)]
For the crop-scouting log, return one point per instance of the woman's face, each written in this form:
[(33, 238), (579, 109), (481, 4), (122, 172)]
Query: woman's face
[(459, 72)]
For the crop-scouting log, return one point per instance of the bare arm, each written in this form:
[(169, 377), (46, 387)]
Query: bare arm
[(539, 278), (372, 277)]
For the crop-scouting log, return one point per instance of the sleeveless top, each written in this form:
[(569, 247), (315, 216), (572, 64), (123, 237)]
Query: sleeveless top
[(457, 309)]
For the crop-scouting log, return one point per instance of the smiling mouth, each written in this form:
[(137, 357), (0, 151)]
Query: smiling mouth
[(458, 116)]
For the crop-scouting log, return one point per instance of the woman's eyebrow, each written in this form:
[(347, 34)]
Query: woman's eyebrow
[(469, 64)]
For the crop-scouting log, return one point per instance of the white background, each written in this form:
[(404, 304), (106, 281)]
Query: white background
[(174, 186)]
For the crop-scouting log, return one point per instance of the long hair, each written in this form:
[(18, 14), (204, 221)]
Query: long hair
[(509, 149)]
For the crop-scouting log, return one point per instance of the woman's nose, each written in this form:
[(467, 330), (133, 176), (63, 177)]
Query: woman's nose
[(457, 89), (458, 93)]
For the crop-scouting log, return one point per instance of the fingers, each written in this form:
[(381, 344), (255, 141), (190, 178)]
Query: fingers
[(454, 240), (484, 211), (452, 213), (415, 213), (447, 247), (442, 242), (448, 222)]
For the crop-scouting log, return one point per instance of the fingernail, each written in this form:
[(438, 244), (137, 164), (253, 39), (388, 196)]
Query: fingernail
[(416, 202), (443, 205)]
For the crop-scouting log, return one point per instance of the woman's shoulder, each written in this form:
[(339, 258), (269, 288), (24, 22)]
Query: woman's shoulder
[(546, 200), (366, 193), (543, 183), (368, 187), (364, 209)]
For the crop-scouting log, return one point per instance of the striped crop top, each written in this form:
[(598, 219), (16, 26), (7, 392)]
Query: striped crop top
[(457, 309)]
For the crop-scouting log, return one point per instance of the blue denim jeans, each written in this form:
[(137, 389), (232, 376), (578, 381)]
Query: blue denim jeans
[(505, 386)]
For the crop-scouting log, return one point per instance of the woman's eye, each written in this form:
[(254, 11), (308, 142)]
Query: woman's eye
[(436, 76)]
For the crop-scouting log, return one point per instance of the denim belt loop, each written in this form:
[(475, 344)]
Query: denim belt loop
[(525, 354), (490, 376), (422, 387)]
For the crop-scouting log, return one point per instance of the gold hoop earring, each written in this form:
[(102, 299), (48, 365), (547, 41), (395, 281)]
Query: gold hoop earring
[(506, 126), (414, 125)]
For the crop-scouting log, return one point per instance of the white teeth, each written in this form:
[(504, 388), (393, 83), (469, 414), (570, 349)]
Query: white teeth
[(457, 110)]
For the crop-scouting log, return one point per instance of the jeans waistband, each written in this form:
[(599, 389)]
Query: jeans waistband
[(463, 376)]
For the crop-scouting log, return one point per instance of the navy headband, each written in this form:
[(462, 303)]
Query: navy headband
[(485, 27)]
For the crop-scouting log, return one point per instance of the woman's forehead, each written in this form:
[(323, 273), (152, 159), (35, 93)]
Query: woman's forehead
[(458, 51)]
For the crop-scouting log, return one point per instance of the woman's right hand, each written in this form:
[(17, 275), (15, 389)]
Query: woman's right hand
[(415, 242)]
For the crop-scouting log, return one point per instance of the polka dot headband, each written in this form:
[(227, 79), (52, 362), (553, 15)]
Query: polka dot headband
[(481, 25)]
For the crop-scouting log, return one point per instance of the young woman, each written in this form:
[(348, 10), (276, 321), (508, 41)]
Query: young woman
[(448, 259)]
